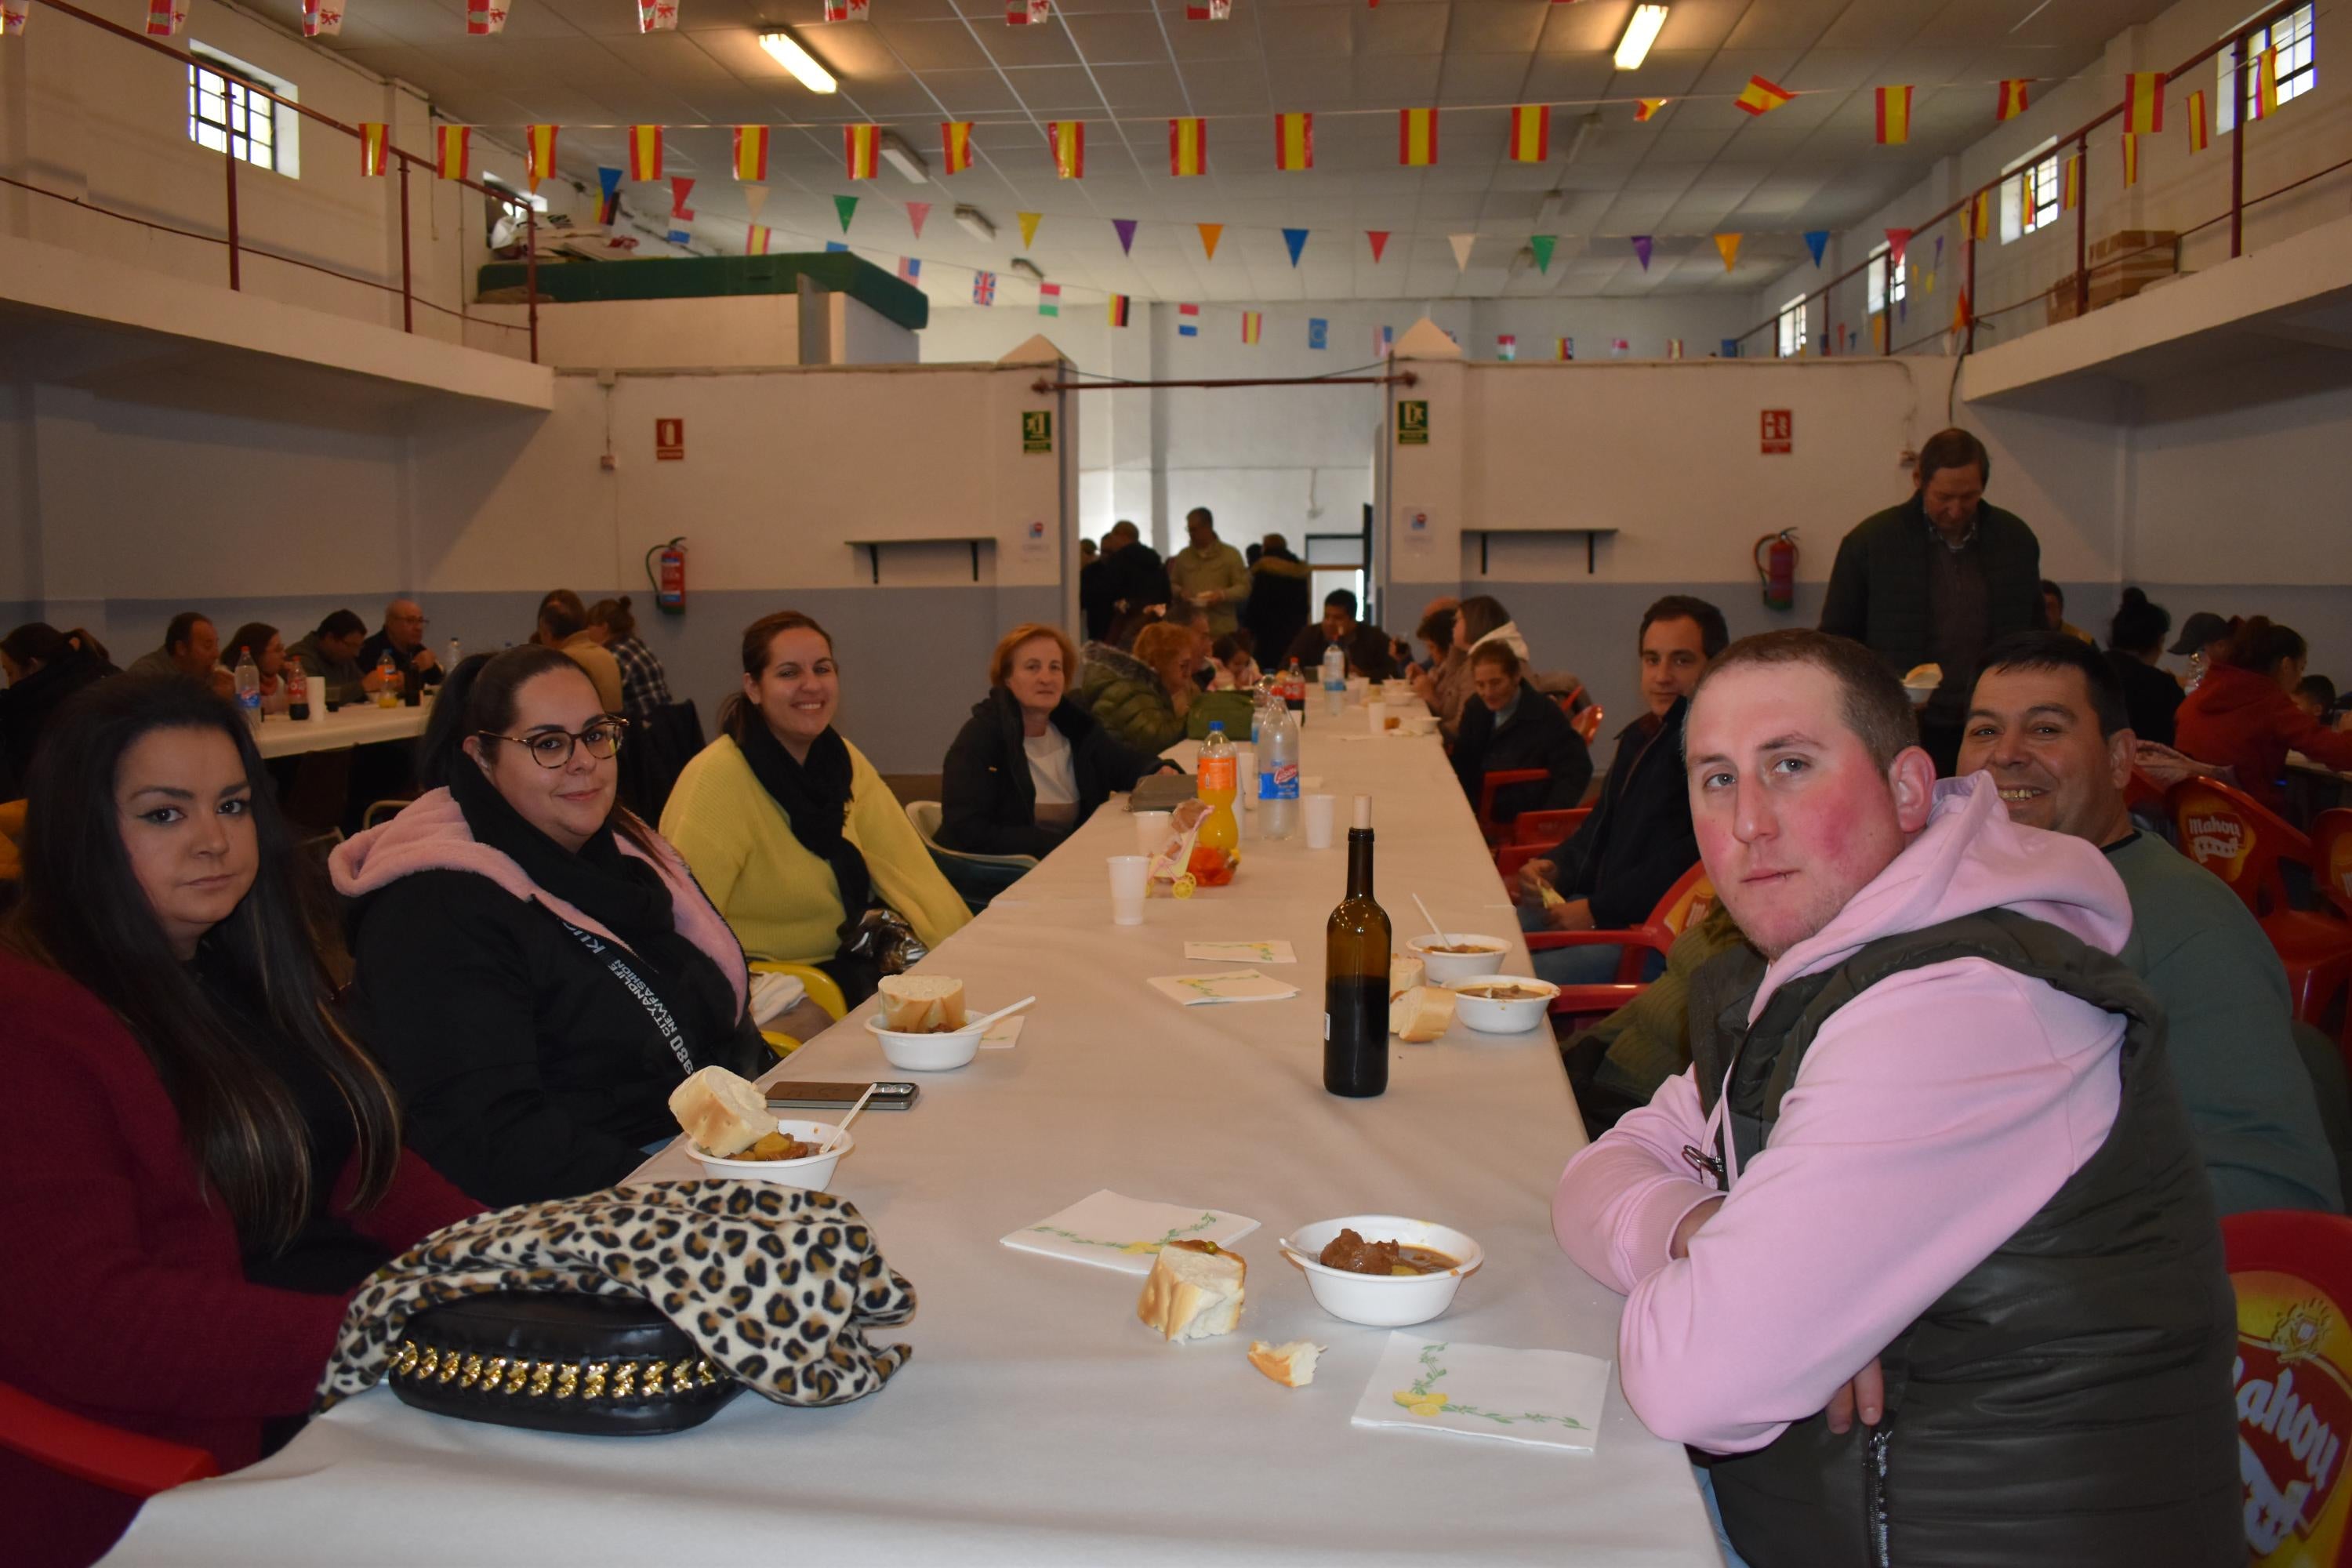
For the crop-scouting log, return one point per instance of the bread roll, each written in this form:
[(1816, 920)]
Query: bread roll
[(722, 1114), (1422, 1014), (1925, 675), (1291, 1366), (1405, 972), (1195, 1290), (922, 1003)]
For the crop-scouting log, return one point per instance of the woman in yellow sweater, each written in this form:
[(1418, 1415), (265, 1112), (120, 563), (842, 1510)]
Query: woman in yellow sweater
[(788, 827)]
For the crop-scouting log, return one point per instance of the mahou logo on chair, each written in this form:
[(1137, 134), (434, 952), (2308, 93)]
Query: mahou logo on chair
[(2294, 1410)]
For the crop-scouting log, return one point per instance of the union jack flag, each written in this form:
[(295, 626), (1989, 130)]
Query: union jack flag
[(983, 287)]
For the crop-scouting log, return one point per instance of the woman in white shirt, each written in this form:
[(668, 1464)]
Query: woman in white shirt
[(1030, 766)]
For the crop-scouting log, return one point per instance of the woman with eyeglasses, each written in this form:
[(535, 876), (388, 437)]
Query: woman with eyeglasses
[(537, 968)]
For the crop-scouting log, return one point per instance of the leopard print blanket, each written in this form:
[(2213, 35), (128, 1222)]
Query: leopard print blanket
[(774, 1284)]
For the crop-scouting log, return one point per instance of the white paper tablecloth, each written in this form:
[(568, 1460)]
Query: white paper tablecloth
[(353, 724), (1038, 1422)]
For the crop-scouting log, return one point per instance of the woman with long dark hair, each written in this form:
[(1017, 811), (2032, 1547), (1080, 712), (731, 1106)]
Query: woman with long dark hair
[(536, 968), (2242, 716), (788, 824), (44, 666), (198, 1165)]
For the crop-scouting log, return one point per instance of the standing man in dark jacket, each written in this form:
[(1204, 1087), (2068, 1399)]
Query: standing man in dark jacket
[(1277, 610), (1938, 580), (1637, 843), (1133, 575), (1510, 726)]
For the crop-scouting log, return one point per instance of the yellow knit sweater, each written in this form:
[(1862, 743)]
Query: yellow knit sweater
[(782, 900)]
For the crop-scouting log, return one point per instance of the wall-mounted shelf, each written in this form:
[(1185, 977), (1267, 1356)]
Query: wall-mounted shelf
[(873, 548), (1592, 537)]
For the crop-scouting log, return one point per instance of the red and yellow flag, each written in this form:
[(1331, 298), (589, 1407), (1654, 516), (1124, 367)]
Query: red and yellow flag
[(1188, 147), (2267, 99), (645, 153), (755, 240), (1893, 116), (861, 150), (1646, 108), (1761, 97), (2012, 99), (2200, 130), (1530, 133), (540, 140), (2131, 159), (456, 143), (1980, 216), (1294, 142), (955, 144), (1417, 137), (375, 146), (2143, 102), (1250, 322), (1069, 141), (2070, 185), (751, 153)]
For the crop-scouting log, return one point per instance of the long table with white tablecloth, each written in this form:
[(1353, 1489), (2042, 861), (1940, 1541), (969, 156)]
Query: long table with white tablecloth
[(1038, 1421)]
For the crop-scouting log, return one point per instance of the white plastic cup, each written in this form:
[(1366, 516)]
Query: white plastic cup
[(1319, 819), (1152, 831), (1129, 876), (1246, 776), (1376, 716), (1357, 686)]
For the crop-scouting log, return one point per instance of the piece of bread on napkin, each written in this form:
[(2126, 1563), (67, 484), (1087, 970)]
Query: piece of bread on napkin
[(722, 1114), (922, 1003), (1422, 1014), (1405, 972), (1291, 1366), (1194, 1291)]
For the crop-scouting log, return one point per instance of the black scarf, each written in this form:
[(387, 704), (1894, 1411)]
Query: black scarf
[(815, 798)]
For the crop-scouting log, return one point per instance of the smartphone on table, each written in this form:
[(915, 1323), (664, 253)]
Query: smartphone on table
[(797, 1095)]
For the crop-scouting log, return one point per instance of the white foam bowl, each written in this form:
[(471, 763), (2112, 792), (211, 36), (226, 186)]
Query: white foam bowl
[(1382, 1301), (813, 1172), (1493, 1015), (925, 1053), (1446, 968)]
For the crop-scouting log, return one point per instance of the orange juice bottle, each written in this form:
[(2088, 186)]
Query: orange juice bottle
[(1219, 785)]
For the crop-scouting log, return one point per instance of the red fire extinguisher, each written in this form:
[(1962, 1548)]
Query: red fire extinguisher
[(666, 570), (1776, 564)]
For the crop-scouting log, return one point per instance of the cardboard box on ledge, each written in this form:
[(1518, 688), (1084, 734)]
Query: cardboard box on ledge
[(2122, 264)]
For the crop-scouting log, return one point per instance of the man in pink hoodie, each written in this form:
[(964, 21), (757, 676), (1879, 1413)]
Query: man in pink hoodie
[(1929, 1167)]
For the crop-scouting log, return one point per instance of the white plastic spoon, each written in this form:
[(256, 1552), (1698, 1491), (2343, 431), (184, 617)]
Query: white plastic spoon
[(983, 1023), (847, 1120), (1434, 928)]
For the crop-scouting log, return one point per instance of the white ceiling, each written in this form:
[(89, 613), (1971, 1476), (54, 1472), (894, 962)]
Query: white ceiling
[(1125, 66)]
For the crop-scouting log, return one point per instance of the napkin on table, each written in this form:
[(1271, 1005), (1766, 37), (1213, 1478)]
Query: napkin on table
[(1240, 952), (1111, 1231), (1003, 1034), (1229, 985), (1551, 1399)]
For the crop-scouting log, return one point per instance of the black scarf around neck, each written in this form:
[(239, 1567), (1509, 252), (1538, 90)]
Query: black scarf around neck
[(815, 797), (624, 893)]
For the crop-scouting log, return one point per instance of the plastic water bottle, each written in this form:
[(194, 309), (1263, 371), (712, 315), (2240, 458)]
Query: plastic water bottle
[(1277, 775), (1218, 786), (1335, 680), (249, 688), (449, 665)]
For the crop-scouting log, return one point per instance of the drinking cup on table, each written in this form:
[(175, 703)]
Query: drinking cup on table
[(1151, 830), (1245, 775), (1358, 687), (1319, 819), (1376, 714), (1129, 876)]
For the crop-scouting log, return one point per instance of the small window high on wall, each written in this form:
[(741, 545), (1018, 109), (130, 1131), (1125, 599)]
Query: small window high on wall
[(2294, 37), (225, 114), (1793, 321), (1885, 282), (2029, 195)]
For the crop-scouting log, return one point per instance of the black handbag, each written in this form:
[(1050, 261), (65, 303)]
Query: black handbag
[(606, 1366)]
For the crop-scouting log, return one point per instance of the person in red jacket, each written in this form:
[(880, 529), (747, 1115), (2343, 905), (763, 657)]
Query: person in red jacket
[(2242, 715), (198, 1166)]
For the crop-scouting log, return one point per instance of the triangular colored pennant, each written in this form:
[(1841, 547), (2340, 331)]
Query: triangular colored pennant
[(679, 185), (1647, 109), (1029, 222), (1295, 239), (755, 197), (1210, 234), (609, 209), (847, 207), (1729, 245), (1899, 240), (1126, 228), (915, 213), (1818, 242), (1541, 244), (1380, 239), (1641, 247), (538, 146), (1461, 244)]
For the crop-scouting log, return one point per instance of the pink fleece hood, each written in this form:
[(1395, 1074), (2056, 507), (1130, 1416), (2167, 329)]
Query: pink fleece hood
[(430, 835)]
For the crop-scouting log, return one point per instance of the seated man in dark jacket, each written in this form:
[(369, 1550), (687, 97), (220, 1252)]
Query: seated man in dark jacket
[(1637, 843), (1030, 766), (1513, 726), (1366, 647)]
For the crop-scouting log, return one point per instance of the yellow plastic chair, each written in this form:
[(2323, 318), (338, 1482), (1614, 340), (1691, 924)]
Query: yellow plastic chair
[(822, 990)]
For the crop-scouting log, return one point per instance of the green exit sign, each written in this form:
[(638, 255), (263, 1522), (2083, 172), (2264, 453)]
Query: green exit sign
[(1037, 430), (1412, 422)]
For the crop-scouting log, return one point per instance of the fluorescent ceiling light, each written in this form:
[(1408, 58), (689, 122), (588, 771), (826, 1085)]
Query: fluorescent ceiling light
[(905, 159), (1640, 34), (974, 222), (799, 61), (1028, 268)]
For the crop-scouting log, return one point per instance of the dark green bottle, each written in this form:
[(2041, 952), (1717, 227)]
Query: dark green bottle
[(1355, 976)]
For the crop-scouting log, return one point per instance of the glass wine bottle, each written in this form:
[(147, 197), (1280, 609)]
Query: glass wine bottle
[(1355, 976)]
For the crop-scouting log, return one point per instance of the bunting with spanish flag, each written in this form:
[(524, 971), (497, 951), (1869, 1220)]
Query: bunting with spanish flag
[(1893, 116), (2200, 128), (751, 153), (1980, 216), (2143, 102), (955, 144), (540, 163), (1294, 142), (2266, 98), (1761, 97), (755, 240), (2131, 159), (2070, 187), (2012, 99), (375, 146), (861, 150), (645, 153), (1530, 133), (456, 143), (1417, 137), (1645, 109), (1188, 147), (1253, 322), (1068, 138)]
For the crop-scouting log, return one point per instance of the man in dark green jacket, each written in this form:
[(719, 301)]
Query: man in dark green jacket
[(1937, 580)]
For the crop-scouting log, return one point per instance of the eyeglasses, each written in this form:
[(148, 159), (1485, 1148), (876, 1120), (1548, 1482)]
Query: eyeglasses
[(553, 748)]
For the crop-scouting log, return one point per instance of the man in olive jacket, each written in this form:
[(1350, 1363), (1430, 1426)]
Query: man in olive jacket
[(1938, 580)]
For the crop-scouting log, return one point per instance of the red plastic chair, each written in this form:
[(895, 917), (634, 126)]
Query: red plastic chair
[(2142, 792), (2243, 844), (1497, 832), (2331, 858), (128, 1462), (1686, 904), (1587, 724), (1568, 700), (1546, 828), (2291, 1274)]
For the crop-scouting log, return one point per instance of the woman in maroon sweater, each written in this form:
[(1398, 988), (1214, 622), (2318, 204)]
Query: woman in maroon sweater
[(2242, 715), (198, 1167)]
